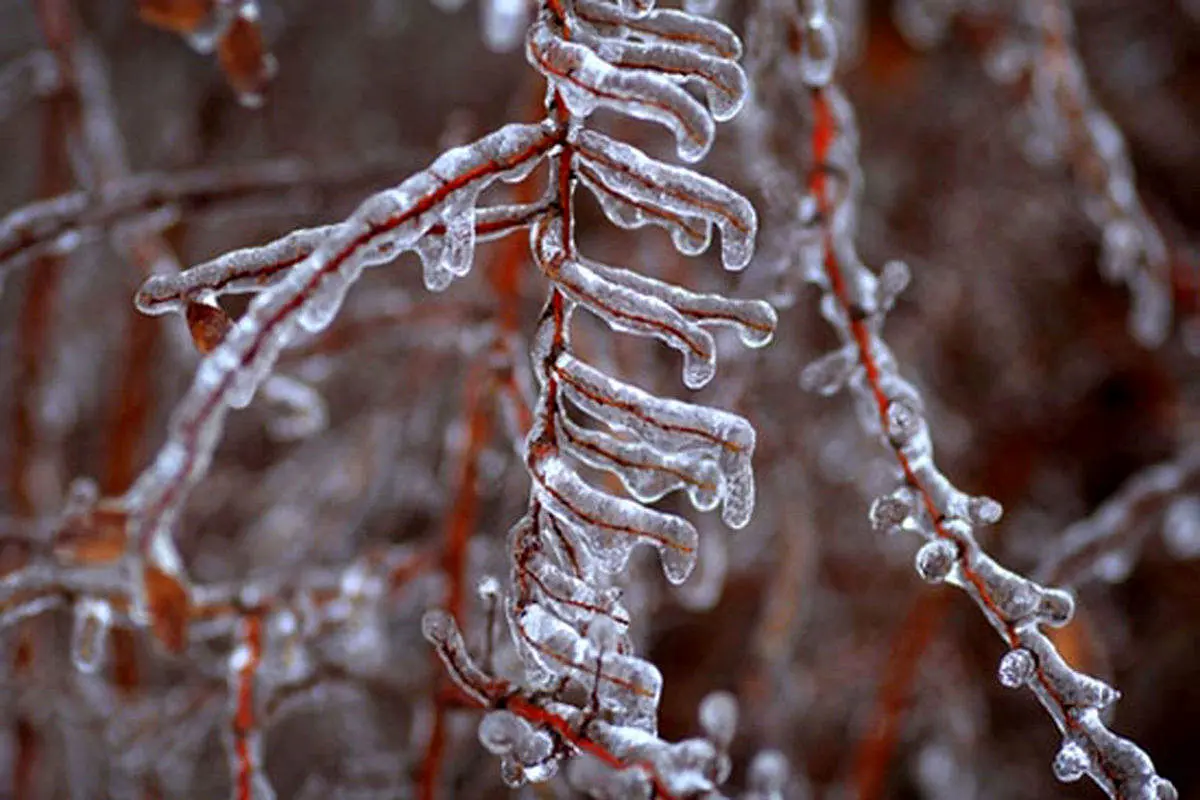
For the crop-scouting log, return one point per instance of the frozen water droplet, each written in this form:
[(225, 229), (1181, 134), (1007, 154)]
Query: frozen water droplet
[(935, 559), (1016, 668)]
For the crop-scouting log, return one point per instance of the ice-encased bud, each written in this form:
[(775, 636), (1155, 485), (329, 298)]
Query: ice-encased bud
[(935, 559), (818, 55), (889, 512), (903, 421), (984, 510), (503, 23), (893, 280), (437, 626), (501, 731), (1056, 607), (1071, 763), (828, 374), (1016, 668)]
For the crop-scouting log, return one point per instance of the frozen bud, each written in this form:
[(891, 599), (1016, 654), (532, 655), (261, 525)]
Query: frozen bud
[(719, 718), (1105, 695), (1006, 61), (935, 559), (1071, 762), (892, 281), (437, 626), (534, 747), (903, 421), (1016, 668), (768, 773), (1013, 597), (818, 53), (693, 755), (829, 373), (889, 512), (1056, 607), (984, 510), (500, 732)]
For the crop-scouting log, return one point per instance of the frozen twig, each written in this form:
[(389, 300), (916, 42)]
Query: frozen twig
[(1105, 544), (855, 303)]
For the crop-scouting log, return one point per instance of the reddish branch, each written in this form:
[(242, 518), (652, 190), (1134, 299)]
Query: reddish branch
[(35, 228), (189, 439), (491, 693), (460, 526), (824, 134), (876, 748), (60, 117)]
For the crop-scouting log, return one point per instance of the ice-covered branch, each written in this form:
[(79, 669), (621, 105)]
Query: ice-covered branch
[(1066, 124), (855, 303), (61, 224), (243, 355), (1105, 544), (567, 623)]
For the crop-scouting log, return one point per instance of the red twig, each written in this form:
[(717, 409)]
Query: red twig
[(462, 522), (824, 134), (875, 750)]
